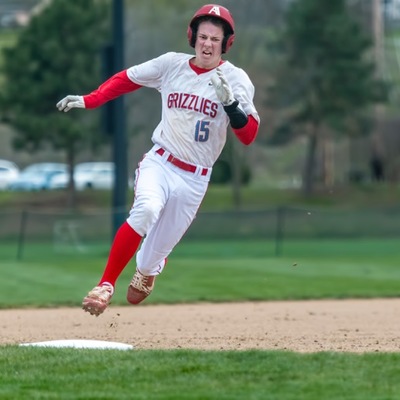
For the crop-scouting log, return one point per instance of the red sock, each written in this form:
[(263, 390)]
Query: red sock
[(124, 246)]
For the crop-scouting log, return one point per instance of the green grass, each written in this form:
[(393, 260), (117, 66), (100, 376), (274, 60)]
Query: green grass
[(218, 271), (34, 373)]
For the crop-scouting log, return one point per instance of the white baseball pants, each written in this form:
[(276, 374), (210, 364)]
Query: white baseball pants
[(166, 202)]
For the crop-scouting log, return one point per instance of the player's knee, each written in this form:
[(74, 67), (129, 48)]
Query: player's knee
[(143, 216)]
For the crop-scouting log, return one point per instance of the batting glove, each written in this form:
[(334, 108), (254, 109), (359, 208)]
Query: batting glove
[(69, 102), (222, 88)]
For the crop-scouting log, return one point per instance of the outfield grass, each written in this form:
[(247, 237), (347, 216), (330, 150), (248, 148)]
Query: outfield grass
[(217, 271)]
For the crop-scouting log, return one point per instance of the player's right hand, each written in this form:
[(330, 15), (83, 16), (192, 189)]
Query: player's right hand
[(70, 101)]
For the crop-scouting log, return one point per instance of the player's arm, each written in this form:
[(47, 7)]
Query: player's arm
[(244, 126), (112, 88), (248, 132)]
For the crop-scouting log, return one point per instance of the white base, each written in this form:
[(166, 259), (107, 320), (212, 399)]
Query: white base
[(81, 344)]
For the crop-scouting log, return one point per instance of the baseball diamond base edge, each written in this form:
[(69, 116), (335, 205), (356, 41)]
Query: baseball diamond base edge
[(81, 344)]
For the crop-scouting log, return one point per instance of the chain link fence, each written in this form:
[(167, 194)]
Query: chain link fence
[(27, 232)]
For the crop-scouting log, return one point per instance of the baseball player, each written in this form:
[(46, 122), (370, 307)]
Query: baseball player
[(201, 95)]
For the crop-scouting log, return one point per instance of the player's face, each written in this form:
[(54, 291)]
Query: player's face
[(208, 45)]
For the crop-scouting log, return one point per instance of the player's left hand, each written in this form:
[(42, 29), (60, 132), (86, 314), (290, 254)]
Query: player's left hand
[(222, 88)]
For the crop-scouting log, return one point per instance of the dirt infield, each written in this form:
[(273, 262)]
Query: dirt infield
[(303, 326)]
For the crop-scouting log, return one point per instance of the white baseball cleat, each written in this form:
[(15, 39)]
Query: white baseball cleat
[(98, 299)]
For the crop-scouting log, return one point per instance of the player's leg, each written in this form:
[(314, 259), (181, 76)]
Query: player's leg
[(175, 219), (150, 197), (123, 248)]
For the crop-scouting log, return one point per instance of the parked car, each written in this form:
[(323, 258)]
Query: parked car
[(94, 175), (38, 176), (9, 172), (89, 175)]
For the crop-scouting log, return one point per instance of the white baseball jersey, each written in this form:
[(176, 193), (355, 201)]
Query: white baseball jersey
[(193, 124)]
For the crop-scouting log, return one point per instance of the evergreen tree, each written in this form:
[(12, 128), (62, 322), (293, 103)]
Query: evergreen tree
[(56, 54), (325, 81)]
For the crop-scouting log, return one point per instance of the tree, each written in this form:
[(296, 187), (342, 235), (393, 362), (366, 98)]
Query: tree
[(325, 81), (57, 54)]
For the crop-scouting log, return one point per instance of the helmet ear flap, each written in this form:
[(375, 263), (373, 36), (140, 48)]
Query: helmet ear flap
[(227, 42), (191, 34)]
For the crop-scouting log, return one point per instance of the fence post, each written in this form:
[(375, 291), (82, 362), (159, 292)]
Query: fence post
[(21, 238), (280, 223)]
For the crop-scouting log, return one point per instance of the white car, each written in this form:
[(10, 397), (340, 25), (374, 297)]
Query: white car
[(94, 175), (89, 175), (9, 172)]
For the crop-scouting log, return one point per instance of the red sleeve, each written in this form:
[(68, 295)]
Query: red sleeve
[(248, 133), (117, 85)]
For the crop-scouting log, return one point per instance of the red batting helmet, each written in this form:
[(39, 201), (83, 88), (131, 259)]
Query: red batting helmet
[(215, 11)]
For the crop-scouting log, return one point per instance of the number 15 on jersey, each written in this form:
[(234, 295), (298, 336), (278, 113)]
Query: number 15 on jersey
[(202, 131)]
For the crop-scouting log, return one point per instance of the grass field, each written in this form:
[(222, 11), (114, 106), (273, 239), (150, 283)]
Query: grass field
[(240, 271), (112, 374)]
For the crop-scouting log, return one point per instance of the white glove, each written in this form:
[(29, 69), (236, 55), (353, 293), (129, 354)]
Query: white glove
[(69, 102), (222, 88)]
